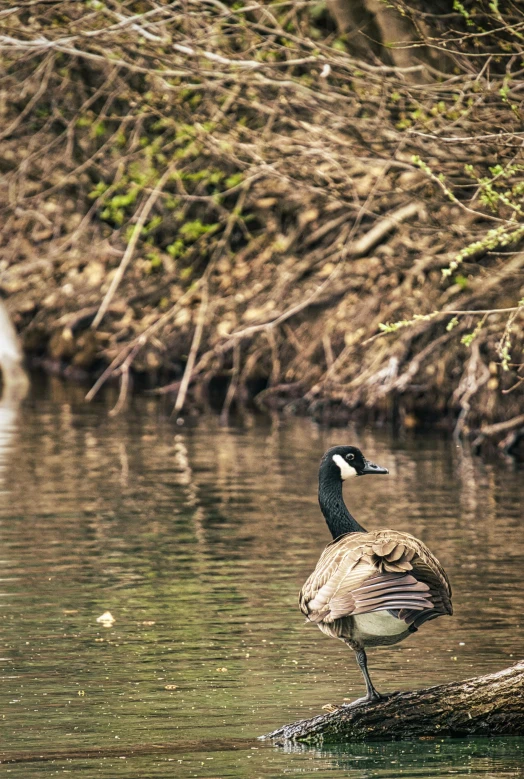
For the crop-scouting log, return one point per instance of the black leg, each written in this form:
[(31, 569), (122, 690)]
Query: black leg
[(372, 694)]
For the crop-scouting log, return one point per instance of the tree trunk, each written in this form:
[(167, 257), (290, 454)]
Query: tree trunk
[(483, 706), (356, 22), (376, 31)]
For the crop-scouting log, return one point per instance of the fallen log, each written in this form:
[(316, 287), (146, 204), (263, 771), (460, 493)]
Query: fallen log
[(483, 706)]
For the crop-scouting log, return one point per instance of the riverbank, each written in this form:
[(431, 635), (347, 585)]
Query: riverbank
[(319, 238)]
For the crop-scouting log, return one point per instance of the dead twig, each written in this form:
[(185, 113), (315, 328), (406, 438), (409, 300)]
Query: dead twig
[(384, 226), (195, 345), (475, 376), (233, 384), (124, 386), (502, 427), (204, 286), (128, 254)]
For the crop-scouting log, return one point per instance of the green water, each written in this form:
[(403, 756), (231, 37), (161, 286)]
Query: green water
[(197, 540)]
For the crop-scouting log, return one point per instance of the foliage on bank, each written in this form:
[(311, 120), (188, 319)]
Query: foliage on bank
[(211, 192)]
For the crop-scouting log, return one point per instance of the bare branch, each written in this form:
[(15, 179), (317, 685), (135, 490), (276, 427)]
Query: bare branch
[(128, 254)]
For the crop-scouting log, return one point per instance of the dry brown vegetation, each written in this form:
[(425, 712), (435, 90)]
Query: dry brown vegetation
[(204, 191)]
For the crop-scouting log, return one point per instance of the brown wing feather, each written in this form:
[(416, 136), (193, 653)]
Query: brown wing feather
[(384, 570)]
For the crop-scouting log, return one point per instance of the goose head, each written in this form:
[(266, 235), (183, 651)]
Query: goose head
[(344, 462)]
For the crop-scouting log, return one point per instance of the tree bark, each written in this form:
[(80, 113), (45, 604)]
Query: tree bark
[(483, 706), (377, 31), (356, 22)]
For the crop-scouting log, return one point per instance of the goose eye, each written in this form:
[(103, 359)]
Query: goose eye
[(350, 457)]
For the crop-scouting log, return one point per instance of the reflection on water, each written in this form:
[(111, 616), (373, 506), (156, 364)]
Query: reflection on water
[(424, 758), (478, 758), (8, 427), (197, 541)]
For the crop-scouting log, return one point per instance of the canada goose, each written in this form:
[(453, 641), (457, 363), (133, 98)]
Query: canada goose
[(369, 589)]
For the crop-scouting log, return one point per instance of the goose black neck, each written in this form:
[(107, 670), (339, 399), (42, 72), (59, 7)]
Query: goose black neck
[(332, 505)]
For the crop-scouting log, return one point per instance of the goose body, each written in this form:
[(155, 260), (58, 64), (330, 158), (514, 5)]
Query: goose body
[(369, 589)]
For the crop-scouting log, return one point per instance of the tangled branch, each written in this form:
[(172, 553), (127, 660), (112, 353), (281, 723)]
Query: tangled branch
[(129, 137)]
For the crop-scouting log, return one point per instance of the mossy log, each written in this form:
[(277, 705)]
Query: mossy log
[(483, 706)]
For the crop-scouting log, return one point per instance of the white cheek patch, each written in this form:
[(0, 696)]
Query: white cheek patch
[(346, 470)]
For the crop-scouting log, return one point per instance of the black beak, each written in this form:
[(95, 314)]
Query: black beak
[(372, 468)]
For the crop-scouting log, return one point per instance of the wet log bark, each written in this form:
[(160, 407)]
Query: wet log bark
[(483, 706)]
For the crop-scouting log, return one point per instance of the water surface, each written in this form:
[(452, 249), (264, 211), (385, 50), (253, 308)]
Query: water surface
[(197, 541)]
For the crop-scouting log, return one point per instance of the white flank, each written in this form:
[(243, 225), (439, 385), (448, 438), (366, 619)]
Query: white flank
[(346, 470), (379, 623)]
